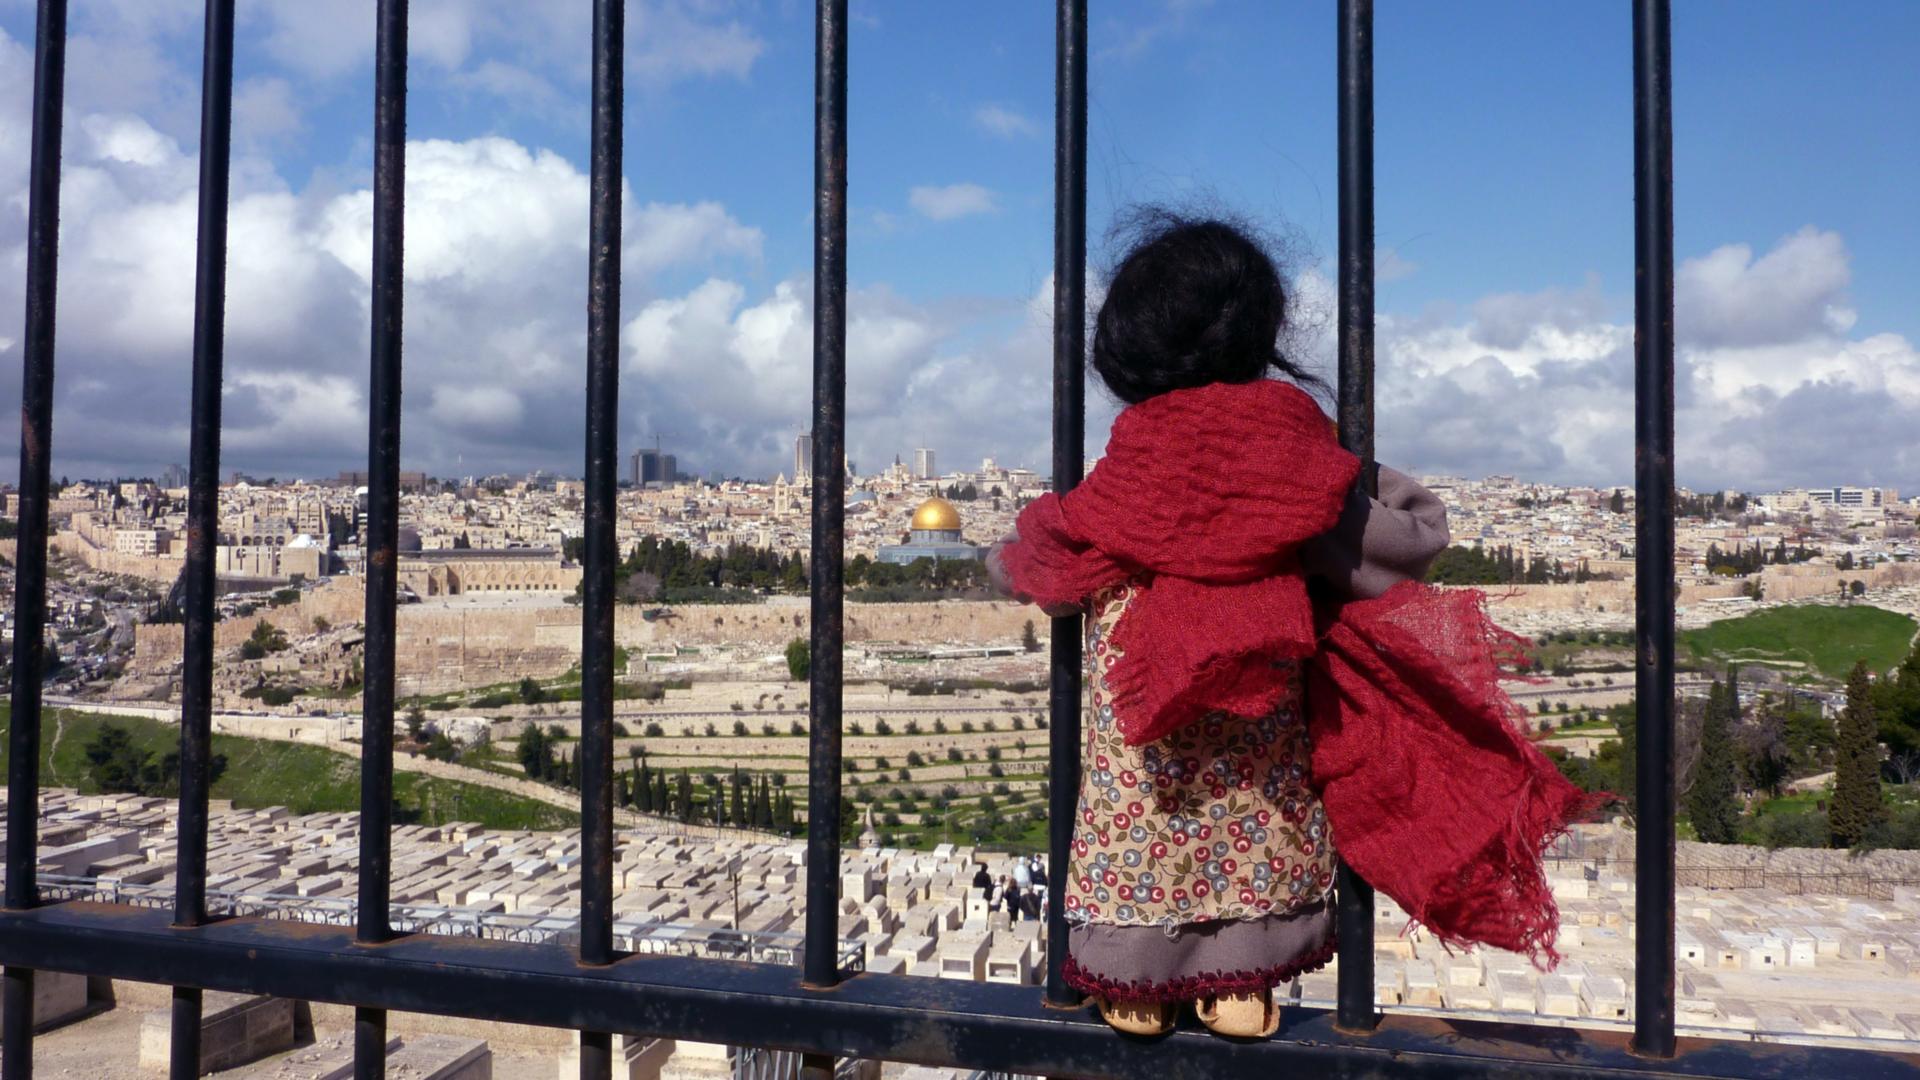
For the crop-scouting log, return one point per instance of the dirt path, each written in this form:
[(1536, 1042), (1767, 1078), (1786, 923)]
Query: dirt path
[(552, 796), (59, 732)]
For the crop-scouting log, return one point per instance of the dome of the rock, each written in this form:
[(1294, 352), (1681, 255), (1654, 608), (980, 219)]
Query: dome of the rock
[(936, 514)]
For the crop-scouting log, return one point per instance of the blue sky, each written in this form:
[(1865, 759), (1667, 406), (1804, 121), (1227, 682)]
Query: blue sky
[(1504, 200)]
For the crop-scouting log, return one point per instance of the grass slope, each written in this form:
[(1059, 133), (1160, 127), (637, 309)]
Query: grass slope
[(304, 779), (1825, 638)]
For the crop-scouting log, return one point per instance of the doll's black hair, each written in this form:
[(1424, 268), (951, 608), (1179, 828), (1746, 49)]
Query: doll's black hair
[(1193, 301)]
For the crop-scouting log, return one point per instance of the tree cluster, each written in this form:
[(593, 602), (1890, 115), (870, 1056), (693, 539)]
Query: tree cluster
[(1896, 708), (657, 570), (115, 765), (740, 801), (1709, 506), (1743, 560), (266, 638), (1711, 803), (871, 581), (1501, 566), (1857, 804)]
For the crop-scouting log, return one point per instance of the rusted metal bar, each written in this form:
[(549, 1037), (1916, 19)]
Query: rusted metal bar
[(1069, 457), (1354, 906), (203, 513), (382, 541), (1653, 998), (602, 431), (30, 556), (829, 489), (601, 542)]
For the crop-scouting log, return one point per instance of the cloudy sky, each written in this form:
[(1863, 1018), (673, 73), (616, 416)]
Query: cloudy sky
[(1504, 197)]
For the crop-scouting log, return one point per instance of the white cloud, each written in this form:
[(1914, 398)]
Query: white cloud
[(490, 408), (1004, 121), (1776, 384), (667, 40), (495, 303), (660, 234), (318, 40), (951, 201), (1772, 389), (1791, 293), (264, 109)]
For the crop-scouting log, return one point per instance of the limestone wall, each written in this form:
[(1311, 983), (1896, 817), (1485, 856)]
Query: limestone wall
[(113, 562), (441, 648)]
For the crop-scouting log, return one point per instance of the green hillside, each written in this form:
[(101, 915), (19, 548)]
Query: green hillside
[(304, 779), (1828, 639)]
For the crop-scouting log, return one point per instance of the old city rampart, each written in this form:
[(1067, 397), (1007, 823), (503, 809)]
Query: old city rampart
[(443, 646)]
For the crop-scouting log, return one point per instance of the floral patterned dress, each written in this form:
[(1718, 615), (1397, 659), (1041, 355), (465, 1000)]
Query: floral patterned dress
[(1202, 861)]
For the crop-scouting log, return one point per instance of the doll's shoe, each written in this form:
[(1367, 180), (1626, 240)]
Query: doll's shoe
[(1247, 1016), (1137, 1017)]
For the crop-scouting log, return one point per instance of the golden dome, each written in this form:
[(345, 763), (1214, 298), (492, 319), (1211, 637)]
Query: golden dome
[(936, 514)]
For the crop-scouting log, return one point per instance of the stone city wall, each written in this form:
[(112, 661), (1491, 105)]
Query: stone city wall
[(442, 648), (107, 561)]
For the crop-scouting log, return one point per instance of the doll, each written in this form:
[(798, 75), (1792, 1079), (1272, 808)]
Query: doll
[(1270, 685)]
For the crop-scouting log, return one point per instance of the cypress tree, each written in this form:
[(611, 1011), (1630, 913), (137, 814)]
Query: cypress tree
[(685, 802), (643, 789), (1856, 773), (1626, 721), (662, 801), (531, 749), (739, 798), (1710, 802)]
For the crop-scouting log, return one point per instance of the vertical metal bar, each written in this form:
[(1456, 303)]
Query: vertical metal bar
[(821, 964), (1354, 904), (1069, 456), (602, 471), (183, 1050), (203, 511), (16, 997), (603, 389), (1653, 524), (822, 967), (30, 558), (369, 1043), (381, 544), (596, 1055)]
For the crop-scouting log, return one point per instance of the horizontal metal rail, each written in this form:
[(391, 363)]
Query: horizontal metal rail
[(906, 1018)]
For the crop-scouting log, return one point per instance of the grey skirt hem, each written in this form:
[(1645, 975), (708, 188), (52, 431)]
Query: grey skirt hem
[(1146, 963)]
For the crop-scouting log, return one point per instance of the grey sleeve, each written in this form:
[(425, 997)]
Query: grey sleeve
[(1381, 542)]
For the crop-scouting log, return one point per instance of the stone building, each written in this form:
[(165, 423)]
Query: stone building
[(933, 534), (458, 571)]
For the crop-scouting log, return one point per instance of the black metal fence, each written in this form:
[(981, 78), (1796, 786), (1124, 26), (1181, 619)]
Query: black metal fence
[(816, 1008)]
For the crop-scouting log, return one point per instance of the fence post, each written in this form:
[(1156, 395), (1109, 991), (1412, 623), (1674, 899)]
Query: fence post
[(821, 965), (1069, 457), (1653, 997), (1353, 896)]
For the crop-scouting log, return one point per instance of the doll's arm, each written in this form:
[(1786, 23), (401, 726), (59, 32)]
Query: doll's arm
[(1380, 542), (1002, 582)]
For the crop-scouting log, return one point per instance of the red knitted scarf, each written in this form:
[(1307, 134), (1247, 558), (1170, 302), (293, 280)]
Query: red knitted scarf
[(1432, 793)]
